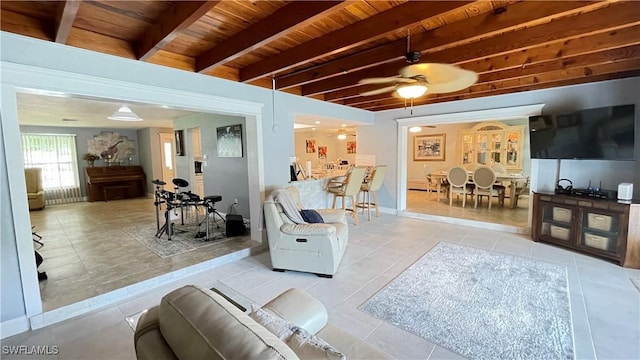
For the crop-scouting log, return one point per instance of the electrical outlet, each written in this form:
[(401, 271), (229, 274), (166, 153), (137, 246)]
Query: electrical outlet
[(235, 201)]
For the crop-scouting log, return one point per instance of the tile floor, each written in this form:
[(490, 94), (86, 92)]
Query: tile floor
[(422, 202), (87, 252), (604, 302)]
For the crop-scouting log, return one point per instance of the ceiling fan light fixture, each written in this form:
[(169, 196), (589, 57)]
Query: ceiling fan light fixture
[(411, 91), (124, 114), (415, 129)]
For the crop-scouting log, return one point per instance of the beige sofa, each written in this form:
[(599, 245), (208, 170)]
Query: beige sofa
[(196, 323), (314, 248), (35, 190)]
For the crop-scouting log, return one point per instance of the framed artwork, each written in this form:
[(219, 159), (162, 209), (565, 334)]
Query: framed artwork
[(322, 152), (311, 146), (179, 142), (229, 141), (429, 147), (351, 147)]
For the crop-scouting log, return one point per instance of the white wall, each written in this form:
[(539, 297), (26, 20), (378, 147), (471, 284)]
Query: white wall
[(121, 79), (227, 177), (336, 149), (380, 139)]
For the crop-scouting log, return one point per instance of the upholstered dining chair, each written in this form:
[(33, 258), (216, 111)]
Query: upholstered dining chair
[(349, 189), (432, 182), (499, 168), (370, 187), (459, 184), (522, 189), (484, 179)]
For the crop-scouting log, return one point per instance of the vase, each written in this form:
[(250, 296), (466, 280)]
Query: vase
[(90, 163)]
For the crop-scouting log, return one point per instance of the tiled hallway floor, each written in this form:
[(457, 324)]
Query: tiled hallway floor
[(88, 251), (605, 305)]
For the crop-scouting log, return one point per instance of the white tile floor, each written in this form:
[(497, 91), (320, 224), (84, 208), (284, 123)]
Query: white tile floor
[(605, 304)]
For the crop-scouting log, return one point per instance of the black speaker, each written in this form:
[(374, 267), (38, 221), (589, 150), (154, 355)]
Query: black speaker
[(235, 225)]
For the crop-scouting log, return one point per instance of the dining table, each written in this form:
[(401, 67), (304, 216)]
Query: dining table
[(512, 178)]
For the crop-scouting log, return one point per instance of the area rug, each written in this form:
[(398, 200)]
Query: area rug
[(481, 305), (182, 240)]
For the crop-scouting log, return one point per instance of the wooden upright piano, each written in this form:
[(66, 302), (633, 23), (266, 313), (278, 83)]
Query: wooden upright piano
[(114, 182)]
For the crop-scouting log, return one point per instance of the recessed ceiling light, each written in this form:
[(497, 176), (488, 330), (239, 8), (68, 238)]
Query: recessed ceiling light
[(343, 125), (313, 128), (317, 122), (415, 129)]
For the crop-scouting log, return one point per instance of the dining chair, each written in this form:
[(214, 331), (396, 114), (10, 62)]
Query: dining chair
[(349, 189), (459, 184), (484, 179), (373, 184), (432, 182), (522, 189), (499, 168)]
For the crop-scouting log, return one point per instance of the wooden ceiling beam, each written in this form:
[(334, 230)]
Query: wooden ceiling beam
[(546, 59), (617, 15), (285, 20), (396, 19), (486, 89), (450, 34), (181, 15), (65, 15)]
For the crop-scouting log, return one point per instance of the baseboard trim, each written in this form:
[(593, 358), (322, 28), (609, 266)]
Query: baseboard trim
[(14, 326), (386, 210), (484, 225)]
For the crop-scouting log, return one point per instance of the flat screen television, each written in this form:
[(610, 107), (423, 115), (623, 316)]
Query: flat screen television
[(606, 133)]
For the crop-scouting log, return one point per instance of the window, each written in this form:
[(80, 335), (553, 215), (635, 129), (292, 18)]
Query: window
[(56, 155)]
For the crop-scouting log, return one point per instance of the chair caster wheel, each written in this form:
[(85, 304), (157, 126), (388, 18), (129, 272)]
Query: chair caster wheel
[(278, 270)]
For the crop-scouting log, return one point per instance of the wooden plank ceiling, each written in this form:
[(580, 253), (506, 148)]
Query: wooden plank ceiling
[(323, 48)]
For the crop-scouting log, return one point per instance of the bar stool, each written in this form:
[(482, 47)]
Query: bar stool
[(350, 188), (371, 186)]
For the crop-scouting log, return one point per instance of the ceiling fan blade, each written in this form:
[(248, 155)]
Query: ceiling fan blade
[(443, 78), (384, 80), (378, 91)]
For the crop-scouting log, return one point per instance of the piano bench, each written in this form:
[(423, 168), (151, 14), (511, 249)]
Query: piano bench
[(107, 188)]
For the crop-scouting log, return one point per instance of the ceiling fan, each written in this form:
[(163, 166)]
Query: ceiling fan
[(417, 79)]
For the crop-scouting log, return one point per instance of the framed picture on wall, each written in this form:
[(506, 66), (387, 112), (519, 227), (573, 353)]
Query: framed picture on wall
[(229, 141), (322, 152), (179, 142), (311, 146), (351, 147), (429, 147)]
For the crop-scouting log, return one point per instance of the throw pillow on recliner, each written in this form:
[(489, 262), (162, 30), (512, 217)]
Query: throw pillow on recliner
[(311, 216)]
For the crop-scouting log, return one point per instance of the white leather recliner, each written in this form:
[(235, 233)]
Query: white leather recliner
[(314, 248)]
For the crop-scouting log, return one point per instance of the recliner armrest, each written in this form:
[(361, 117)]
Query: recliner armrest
[(332, 215), (308, 229), (300, 309)]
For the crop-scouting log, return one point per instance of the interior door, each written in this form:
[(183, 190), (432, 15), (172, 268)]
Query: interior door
[(167, 151)]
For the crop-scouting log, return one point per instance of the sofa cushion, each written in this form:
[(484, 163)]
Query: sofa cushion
[(309, 346), (200, 324), (278, 326)]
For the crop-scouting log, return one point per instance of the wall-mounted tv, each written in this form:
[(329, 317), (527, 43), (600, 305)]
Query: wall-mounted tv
[(606, 133)]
